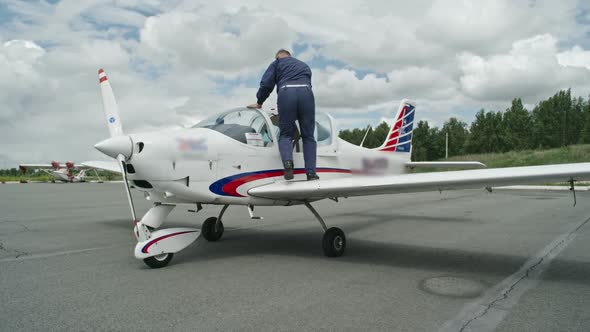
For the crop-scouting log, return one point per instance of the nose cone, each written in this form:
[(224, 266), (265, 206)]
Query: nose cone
[(115, 146)]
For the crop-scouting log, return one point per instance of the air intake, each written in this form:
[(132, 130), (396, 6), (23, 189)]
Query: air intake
[(142, 184)]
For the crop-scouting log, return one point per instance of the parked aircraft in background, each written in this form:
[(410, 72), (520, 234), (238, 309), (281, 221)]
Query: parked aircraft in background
[(61, 173), (232, 158)]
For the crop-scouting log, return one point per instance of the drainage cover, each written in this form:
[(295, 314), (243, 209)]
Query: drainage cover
[(453, 286)]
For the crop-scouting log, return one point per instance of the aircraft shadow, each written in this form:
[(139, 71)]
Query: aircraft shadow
[(256, 242)]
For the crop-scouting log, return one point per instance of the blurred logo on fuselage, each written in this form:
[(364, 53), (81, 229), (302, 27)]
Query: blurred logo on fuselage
[(192, 147), (372, 166)]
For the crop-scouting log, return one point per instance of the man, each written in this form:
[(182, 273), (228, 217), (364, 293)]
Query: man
[(295, 102)]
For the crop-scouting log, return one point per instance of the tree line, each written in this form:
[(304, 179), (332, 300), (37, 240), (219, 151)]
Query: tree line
[(560, 120)]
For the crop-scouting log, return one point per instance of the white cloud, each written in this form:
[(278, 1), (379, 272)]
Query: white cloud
[(530, 69), (341, 88), (309, 54), (576, 57), (382, 44), (240, 42), (106, 15), (20, 82), (422, 82)]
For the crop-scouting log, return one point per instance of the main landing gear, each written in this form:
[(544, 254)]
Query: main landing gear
[(334, 240)]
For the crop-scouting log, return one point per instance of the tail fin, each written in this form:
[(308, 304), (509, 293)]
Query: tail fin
[(399, 138), (109, 105)]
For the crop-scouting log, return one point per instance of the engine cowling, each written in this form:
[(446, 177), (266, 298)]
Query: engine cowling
[(55, 164), (70, 164)]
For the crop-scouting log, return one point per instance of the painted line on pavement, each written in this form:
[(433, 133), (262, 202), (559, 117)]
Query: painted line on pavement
[(53, 254)]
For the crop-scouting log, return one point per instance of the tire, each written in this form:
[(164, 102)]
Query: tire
[(158, 261), (334, 242), (208, 230)]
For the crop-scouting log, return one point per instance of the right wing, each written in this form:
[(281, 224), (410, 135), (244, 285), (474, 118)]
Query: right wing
[(112, 166), (407, 183)]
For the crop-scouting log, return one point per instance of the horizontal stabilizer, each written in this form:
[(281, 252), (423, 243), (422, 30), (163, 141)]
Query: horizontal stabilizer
[(445, 164)]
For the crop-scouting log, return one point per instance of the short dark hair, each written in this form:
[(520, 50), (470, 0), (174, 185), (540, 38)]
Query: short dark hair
[(282, 51)]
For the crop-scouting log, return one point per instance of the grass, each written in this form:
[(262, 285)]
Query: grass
[(564, 155), (42, 178)]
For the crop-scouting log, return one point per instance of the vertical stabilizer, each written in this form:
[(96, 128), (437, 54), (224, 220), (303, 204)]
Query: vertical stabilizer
[(399, 138)]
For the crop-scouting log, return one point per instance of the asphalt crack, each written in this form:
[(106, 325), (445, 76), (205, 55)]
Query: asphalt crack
[(17, 253), (505, 295)]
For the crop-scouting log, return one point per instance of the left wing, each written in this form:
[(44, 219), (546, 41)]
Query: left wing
[(406, 183), (47, 166), (25, 166), (53, 165)]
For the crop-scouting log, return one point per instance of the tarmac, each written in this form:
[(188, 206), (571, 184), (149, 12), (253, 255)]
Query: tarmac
[(509, 260)]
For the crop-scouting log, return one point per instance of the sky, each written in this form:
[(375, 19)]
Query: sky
[(174, 62)]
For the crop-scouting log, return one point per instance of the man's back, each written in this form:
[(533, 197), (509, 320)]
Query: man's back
[(293, 71)]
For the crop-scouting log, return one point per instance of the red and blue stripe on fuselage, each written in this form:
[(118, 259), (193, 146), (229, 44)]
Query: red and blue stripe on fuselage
[(228, 186)]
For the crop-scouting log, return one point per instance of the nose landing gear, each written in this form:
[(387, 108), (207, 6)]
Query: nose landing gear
[(158, 261)]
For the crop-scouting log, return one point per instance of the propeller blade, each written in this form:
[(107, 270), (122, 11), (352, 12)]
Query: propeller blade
[(109, 105), (123, 166)]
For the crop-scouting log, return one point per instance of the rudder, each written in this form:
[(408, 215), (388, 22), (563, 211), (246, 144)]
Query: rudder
[(399, 138)]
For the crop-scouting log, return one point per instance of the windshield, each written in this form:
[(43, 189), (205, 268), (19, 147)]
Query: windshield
[(250, 127), (244, 125)]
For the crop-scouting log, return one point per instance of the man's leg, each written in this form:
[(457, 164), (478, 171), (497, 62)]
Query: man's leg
[(306, 117), (287, 104)]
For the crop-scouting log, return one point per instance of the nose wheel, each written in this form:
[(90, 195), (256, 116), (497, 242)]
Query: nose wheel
[(158, 261)]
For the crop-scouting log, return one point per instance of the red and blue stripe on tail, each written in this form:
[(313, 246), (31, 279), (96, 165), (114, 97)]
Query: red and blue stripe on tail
[(399, 138)]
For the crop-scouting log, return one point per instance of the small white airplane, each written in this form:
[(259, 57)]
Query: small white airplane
[(63, 174), (232, 158)]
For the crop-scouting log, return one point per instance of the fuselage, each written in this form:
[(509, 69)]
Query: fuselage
[(217, 164), (62, 175)]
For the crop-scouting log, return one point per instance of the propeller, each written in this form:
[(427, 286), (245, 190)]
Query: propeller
[(118, 146)]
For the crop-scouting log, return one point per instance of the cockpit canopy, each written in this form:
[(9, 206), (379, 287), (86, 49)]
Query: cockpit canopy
[(260, 128)]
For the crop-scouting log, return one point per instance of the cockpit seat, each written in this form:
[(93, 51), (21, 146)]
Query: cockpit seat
[(235, 131)]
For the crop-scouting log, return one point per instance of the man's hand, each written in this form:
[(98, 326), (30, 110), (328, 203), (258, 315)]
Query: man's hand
[(254, 106)]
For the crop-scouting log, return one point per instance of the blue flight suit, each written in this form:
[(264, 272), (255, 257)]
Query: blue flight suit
[(295, 102)]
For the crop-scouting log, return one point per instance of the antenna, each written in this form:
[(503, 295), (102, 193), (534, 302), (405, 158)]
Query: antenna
[(366, 132)]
